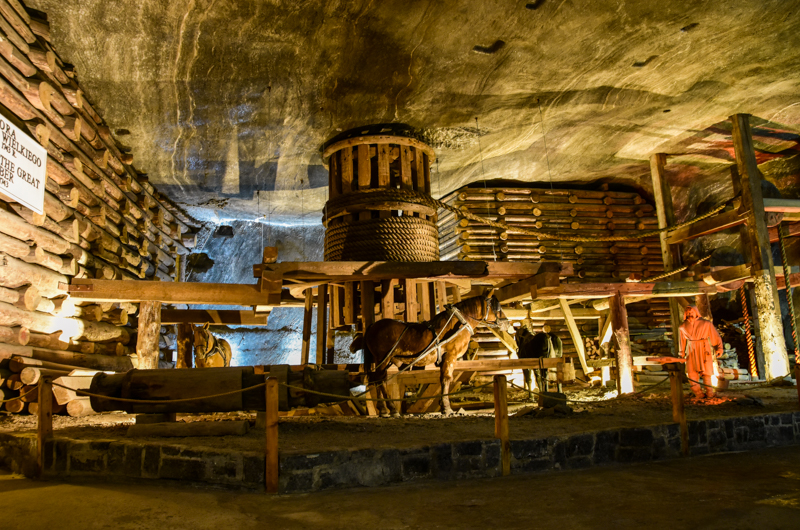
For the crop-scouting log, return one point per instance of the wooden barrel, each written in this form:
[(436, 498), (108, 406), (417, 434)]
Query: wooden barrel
[(378, 176)]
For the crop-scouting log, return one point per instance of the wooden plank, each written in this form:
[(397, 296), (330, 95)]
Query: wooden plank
[(424, 301), (781, 205), (347, 170), (387, 298), (348, 310), (575, 333), (501, 423), (271, 438), (670, 253), (308, 313), (426, 399), (367, 303), (336, 303), (383, 172), (364, 175), (214, 317), (678, 409), (605, 331), (717, 223), (419, 182), (322, 322), (604, 290), (170, 292), (506, 339), (406, 182), (380, 139), (441, 295), (412, 307), (185, 345), (384, 270), (149, 332)]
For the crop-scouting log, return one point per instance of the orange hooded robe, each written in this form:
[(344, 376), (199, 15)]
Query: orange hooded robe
[(701, 345)]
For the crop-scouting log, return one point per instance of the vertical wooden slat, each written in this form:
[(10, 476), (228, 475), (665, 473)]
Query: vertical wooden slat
[(678, 410), (419, 162), (271, 441), (427, 167), (348, 310), (44, 429), (368, 303), (347, 169), (185, 345), (387, 298), (441, 295), (430, 292), (501, 422), (619, 321), (424, 301), (148, 334), (308, 311), (336, 303), (322, 321), (383, 172), (455, 292), (364, 175), (575, 334), (334, 176), (406, 181), (410, 288)]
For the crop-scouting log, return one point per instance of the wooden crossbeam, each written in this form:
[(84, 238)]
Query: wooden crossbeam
[(781, 205), (578, 313), (213, 317), (708, 226), (170, 292), (575, 333), (604, 290)]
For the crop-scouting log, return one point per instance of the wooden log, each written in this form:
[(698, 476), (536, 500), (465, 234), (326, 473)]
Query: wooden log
[(624, 358), (81, 360), (80, 407), (30, 375), (18, 364), (17, 273), (194, 428), (17, 227), (14, 335), (72, 328), (149, 332), (73, 383)]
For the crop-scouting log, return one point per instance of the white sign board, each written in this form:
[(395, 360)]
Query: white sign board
[(23, 163)]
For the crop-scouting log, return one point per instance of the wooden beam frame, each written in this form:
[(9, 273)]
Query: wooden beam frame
[(170, 292), (212, 317), (575, 333), (604, 290)]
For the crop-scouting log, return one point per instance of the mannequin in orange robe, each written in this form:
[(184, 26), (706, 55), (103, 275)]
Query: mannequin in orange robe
[(701, 345)]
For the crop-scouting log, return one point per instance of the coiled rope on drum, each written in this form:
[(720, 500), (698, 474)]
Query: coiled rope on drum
[(415, 197)]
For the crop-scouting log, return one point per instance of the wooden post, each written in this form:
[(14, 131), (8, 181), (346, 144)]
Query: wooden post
[(349, 312), (678, 410), (387, 298), (619, 321), (45, 421), (670, 254), (441, 295), (185, 345), (308, 313), (424, 301), (797, 379), (322, 321), (501, 422), (765, 287), (368, 303), (147, 338), (271, 451), (410, 289), (335, 306)]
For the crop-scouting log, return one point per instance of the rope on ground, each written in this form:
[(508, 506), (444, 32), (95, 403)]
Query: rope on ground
[(378, 400), (34, 389), (387, 194), (760, 385)]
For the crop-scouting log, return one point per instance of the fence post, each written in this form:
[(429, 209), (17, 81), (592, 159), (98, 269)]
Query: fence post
[(271, 453), (678, 410), (44, 429), (501, 422)]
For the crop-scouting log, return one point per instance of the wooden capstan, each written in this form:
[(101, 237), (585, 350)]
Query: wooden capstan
[(375, 175)]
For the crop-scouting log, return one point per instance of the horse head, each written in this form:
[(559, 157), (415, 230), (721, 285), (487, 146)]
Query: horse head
[(202, 338), (494, 309)]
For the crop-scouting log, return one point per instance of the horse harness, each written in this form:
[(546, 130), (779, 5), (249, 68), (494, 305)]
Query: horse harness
[(213, 347)]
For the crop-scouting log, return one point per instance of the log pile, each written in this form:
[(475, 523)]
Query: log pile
[(102, 218), (588, 213)]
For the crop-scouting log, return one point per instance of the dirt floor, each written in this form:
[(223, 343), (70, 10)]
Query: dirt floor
[(311, 434)]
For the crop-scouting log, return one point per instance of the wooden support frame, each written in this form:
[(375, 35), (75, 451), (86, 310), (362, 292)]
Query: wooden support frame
[(575, 333), (271, 473), (149, 332), (619, 322), (308, 314), (213, 317), (170, 292)]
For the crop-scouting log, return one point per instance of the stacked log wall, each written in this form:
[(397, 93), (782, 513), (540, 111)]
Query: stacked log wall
[(102, 218), (588, 213)]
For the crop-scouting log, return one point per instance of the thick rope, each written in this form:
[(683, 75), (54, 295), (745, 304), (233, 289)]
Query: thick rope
[(387, 194), (158, 401), (403, 238), (676, 271), (789, 291), (34, 389), (748, 334)]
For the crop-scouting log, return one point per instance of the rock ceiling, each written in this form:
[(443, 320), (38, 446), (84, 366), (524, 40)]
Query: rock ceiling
[(220, 98)]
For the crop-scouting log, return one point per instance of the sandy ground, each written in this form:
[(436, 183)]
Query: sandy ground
[(755, 489), (311, 434)]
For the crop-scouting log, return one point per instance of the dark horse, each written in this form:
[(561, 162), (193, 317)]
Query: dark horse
[(441, 340), (535, 346)]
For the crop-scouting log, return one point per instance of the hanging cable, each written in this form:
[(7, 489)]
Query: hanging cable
[(483, 174), (549, 172), (270, 148)]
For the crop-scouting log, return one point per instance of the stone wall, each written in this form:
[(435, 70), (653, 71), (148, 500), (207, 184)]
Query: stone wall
[(126, 460)]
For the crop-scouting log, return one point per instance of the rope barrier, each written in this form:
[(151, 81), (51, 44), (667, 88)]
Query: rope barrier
[(416, 197), (34, 389), (567, 400), (159, 401)]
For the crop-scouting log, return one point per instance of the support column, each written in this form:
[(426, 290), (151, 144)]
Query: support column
[(670, 254), (619, 321), (765, 287), (147, 337), (308, 314), (322, 321), (185, 346)]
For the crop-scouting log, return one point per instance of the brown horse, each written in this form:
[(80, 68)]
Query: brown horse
[(442, 340), (209, 351)]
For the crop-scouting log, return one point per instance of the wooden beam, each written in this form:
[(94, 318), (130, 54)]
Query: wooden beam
[(525, 289), (575, 333), (649, 290), (322, 322), (170, 292), (781, 205), (717, 223), (605, 331), (308, 314), (213, 317), (505, 339), (776, 359), (670, 253)]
